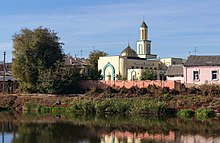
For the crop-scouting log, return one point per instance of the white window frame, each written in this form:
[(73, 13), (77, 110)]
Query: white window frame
[(215, 74), (196, 75)]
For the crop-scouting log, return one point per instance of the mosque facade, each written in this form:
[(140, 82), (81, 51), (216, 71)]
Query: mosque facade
[(130, 65)]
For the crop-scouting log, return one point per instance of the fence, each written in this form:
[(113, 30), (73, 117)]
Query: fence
[(88, 84)]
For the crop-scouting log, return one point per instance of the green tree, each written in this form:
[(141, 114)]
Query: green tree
[(93, 64), (59, 80), (149, 75), (38, 62)]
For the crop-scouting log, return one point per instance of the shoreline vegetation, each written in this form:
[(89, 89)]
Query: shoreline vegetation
[(202, 102)]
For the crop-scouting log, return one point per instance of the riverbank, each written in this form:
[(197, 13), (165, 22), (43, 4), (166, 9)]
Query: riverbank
[(109, 103)]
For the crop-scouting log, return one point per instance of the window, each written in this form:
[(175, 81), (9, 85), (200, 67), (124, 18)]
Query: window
[(196, 75), (137, 67), (132, 67), (214, 75), (141, 67)]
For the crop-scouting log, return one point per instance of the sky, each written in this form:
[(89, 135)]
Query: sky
[(176, 27)]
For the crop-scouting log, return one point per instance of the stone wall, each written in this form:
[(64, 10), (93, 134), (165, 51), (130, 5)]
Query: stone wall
[(88, 84)]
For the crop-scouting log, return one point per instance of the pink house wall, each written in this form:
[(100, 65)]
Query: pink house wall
[(88, 84), (205, 74)]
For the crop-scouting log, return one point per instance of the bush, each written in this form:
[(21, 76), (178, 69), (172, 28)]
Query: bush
[(186, 113), (210, 90), (166, 89), (94, 90), (110, 90), (194, 90), (143, 91), (166, 95), (133, 90), (84, 106), (204, 113), (174, 92), (123, 90), (101, 106), (153, 89)]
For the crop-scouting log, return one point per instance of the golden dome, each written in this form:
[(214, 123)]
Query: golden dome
[(128, 52)]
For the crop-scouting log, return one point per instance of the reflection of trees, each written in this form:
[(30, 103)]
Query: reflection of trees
[(53, 133), (76, 128), (152, 125)]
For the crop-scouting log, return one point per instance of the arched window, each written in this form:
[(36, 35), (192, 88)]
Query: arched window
[(140, 48)]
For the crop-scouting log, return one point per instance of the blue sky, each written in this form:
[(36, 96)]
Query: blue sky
[(175, 26)]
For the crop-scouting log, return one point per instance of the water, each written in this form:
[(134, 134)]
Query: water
[(21, 128)]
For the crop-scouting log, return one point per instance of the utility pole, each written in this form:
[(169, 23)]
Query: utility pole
[(4, 74)]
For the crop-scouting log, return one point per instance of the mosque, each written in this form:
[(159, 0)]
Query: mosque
[(130, 65)]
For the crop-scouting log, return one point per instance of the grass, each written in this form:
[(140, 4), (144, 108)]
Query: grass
[(30, 107), (104, 106)]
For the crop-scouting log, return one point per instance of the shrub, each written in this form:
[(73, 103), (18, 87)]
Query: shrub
[(174, 92), (166, 90), (101, 106), (94, 90), (194, 90), (152, 88), (110, 90), (133, 90), (123, 90), (84, 106), (204, 113), (186, 113), (166, 95), (143, 91)]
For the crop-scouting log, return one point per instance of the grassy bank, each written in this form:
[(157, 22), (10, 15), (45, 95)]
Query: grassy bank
[(151, 100), (105, 106)]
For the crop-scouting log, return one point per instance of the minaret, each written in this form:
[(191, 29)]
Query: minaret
[(143, 31), (144, 45)]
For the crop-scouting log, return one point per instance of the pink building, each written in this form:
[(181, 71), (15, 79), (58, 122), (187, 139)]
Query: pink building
[(202, 70)]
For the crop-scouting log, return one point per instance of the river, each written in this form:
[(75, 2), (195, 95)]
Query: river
[(35, 128)]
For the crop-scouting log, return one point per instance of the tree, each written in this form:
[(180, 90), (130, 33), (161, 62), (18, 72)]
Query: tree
[(59, 80), (34, 51), (149, 75), (93, 64)]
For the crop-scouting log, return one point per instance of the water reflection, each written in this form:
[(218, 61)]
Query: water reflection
[(129, 137), (20, 128)]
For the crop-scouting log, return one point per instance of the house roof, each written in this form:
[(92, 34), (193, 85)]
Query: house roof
[(202, 61), (175, 70)]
